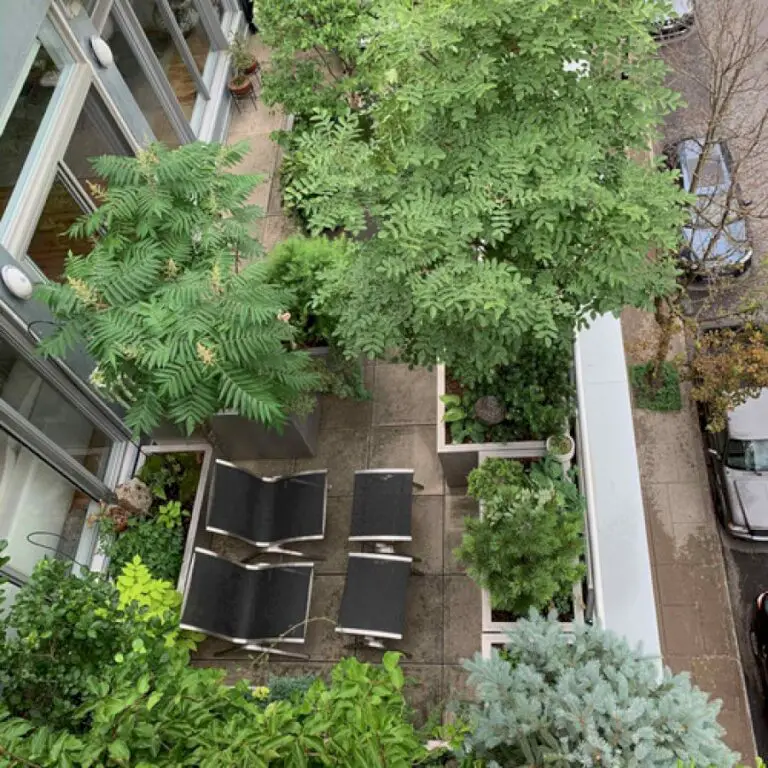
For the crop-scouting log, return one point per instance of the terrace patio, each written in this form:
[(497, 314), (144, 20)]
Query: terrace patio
[(396, 428)]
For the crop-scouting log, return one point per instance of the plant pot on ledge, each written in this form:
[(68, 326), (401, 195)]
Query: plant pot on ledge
[(240, 86)]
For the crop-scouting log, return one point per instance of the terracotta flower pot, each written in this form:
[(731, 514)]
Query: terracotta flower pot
[(240, 86), (251, 68)]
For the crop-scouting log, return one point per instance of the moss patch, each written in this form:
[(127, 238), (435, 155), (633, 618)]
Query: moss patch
[(666, 398)]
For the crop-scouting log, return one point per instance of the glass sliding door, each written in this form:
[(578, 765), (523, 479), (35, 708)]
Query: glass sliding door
[(21, 129)]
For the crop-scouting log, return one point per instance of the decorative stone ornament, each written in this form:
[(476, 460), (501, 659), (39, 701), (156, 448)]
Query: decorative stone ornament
[(489, 410)]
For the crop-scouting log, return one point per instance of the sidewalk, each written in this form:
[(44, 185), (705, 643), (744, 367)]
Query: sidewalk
[(692, 599)]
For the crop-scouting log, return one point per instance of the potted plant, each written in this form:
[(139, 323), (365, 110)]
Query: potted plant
[(511, 410), (158, 513), (173, 305), (244, 63), (561, 447), (526, 550)]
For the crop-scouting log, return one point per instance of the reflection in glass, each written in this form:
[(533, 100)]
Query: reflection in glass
[(153, 24), (131, 71), (44, 407), (24, 120), (50, 244), (37, 507)]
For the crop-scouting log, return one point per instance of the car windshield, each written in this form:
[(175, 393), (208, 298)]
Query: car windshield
[(751, 455)]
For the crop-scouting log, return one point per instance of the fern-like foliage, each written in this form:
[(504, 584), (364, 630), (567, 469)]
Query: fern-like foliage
[(172, 301)]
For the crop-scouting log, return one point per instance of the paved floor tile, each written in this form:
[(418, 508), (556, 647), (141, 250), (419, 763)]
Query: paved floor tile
[(403, 396), (462, 619), (456, 509), (342, 452), (427, 531), (409, 447)]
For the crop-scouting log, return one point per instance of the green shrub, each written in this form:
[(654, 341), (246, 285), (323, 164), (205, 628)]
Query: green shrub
[(526, 548), (160, 548), (172, 301), (67, 631), (172, 476), (297, 264), (586, 699), (288, 687)]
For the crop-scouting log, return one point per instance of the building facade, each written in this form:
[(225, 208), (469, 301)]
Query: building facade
[(78, 79)]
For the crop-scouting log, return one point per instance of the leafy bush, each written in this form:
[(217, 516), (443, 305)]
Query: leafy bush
[(288, 687), (171, 301), (297, 264), (160, 548), (65, 631), (187, 716), (536, 392), (527, 546), (172, 476), (587, 699)]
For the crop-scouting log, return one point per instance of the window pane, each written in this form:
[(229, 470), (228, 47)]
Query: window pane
[(187, 17), (25, 119), (36, 502), (50, 243), (129, 67), (198, 44), (44, 407), (96, 134)]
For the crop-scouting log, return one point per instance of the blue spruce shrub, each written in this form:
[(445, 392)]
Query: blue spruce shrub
[(587, 699)]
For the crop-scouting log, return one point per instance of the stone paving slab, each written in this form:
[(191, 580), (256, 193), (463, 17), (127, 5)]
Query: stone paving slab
[(692, 598)]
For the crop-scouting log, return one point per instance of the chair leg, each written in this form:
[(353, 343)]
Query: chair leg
[(275, 652), (231, 647), (418, 486)]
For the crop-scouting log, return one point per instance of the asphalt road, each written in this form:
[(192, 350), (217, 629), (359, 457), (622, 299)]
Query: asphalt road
[(746, 565)]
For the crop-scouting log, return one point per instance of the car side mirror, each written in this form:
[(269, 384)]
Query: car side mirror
[(713, 452), (745, 203)]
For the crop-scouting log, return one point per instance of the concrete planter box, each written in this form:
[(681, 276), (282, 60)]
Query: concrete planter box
[(240, 439), (497, 628), (196, 535), (459, 460)]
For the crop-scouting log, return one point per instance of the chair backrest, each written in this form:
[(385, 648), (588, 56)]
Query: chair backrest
[(265, 511), (247, 603), (374, 595), (381, 507)]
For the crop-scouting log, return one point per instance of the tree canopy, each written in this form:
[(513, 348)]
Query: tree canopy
[(492, 145)]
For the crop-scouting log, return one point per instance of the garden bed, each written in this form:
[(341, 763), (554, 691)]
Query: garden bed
[(177, 476), (570, 605), (459, 459)]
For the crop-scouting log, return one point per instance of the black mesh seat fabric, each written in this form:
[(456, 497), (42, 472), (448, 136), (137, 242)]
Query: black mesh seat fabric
[(374, 595), (247, 603), (381, 507), (267, 511)]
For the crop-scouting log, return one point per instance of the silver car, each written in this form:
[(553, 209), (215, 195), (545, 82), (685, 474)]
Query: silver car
[(740, 467), (678, 26)]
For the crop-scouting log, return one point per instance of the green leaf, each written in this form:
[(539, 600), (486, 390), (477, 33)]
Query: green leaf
[(118, 751), (454, 414)]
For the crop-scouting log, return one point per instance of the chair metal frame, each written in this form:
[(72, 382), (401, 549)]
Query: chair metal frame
[(268, 547), (253, 643)]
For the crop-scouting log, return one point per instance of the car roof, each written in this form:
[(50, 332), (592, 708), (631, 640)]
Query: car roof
[(749, 421), (688, 153)]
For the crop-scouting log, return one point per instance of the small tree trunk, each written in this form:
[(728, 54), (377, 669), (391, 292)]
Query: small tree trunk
[(666, 324)]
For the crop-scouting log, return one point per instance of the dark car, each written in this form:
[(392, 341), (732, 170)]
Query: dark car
[(758, 636), (739, 456), (715, 241), (675, 27)]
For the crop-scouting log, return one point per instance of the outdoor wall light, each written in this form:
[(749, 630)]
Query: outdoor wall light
[(16, 281), (102, 52)]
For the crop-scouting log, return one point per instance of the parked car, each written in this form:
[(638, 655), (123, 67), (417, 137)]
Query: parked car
[(758, 637), (715, 242), (739, 457), (675, 27)]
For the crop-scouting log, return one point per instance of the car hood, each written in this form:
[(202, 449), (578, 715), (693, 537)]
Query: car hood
[(748, 494), (731, 244)]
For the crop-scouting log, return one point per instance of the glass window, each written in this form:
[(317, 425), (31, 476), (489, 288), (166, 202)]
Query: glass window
[(96, 134), (50, 243), (152, 22), (44, 407), (28, 112), (40, 510), (136, 80)]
